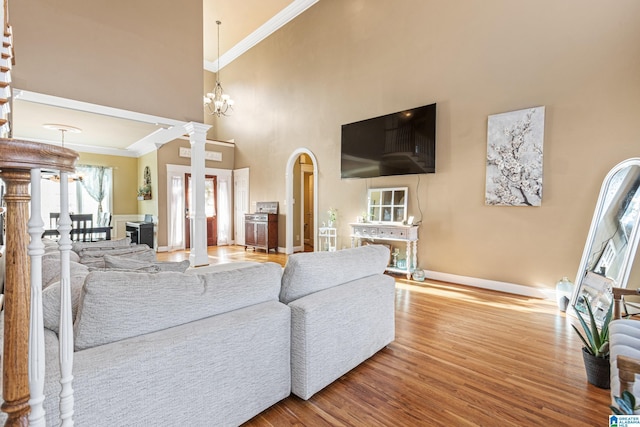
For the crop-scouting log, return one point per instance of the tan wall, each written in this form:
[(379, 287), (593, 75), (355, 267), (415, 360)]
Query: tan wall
[(125, 177), (343, 61), (169, 154), (143, 56), (149, 206)]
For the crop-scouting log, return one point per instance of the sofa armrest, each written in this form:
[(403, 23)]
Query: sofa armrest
[(334, 330)]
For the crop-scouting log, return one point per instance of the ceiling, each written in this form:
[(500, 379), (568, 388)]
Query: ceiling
[(117, 132)]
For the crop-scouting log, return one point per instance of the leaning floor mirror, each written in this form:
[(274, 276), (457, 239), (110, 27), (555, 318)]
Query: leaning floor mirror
[(612, 240)]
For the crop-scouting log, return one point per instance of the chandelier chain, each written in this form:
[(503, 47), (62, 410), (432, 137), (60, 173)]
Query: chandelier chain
[(217, 102)]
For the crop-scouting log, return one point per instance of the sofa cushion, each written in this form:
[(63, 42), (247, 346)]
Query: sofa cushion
[(102, 244), (116, 305), (122, 262), (51, 270), (51, 299), (50, 253), (94, 257), (147, 268), (310, 272), (220, 267)]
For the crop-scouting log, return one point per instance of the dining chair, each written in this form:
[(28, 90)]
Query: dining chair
[(104, 220), (54, 217), (81, 225)]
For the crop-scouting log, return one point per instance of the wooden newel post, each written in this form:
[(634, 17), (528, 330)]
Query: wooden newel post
[(15, 391), (17, 160)]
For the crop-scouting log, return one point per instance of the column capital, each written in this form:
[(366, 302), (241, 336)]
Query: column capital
[(195, 130)]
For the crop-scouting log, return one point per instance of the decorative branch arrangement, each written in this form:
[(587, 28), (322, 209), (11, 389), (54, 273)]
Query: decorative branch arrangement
[(514, 158)]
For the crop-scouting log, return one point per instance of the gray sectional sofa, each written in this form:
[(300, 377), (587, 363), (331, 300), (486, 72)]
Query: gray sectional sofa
[(342, 312), (216, 347)]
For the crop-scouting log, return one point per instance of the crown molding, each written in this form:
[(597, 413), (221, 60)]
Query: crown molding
[(264, 31), (169, 128), (88, 107), (81, 148)]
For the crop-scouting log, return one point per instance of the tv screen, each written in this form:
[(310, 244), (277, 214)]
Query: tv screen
[(395, 144)]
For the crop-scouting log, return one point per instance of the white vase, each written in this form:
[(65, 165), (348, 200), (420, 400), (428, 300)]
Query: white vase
[(564, 290)]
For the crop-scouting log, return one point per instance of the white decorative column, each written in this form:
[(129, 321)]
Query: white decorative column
[(197, 137)]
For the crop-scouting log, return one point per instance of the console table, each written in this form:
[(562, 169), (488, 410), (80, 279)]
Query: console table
[(393, 233)]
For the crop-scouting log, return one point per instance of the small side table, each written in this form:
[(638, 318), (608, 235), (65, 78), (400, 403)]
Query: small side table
[(328, 238)]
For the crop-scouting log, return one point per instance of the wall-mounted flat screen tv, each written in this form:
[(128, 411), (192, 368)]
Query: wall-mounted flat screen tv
[(395, 144)]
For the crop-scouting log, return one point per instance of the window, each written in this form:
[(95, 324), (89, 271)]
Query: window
[(80, 199), (388, 204)]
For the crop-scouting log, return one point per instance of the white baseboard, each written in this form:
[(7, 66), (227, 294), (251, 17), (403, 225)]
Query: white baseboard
[(493, 285)]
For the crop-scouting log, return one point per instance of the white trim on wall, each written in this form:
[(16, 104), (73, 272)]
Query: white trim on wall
[(285, 15), (493, 285), (289, 198)]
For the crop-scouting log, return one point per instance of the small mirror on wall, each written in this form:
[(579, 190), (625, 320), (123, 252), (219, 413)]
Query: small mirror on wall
[(388, 205)]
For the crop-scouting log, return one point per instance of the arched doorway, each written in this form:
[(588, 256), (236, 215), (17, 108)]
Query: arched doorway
[(293, 180)]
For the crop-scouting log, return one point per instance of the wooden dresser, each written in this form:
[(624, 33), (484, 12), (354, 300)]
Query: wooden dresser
[(261, 227)]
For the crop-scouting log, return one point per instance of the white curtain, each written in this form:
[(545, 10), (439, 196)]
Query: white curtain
[(176, 214), (224, 211), (96, 181)]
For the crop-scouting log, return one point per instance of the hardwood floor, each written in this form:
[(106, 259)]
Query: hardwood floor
[(462, 357)]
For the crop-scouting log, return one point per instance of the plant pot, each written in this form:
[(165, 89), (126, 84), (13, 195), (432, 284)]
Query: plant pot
[(598, 369)]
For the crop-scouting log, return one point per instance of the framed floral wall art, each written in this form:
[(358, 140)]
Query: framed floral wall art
[(514, 158)]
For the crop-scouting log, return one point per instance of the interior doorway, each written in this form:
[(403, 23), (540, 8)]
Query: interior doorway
[(211, 195), (306, 196), (301, 201)]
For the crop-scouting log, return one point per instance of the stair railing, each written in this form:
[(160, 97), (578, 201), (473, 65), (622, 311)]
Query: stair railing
[(21, 165)]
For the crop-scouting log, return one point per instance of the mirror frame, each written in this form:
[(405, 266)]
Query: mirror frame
[(634, 236), (392, 205)]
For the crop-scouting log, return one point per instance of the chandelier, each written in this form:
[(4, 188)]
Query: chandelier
[(217, 102), (62, 129)]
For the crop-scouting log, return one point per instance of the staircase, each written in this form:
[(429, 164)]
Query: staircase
[(6, 62)]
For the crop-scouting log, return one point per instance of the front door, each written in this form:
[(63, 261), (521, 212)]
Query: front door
[(211, 195)]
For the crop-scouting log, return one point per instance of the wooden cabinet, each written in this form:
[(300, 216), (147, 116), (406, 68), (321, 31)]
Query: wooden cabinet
[(261, 231), (140, 232), (249, 232)]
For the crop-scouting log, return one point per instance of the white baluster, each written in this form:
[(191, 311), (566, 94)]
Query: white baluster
[(66, 326), (36, 328)]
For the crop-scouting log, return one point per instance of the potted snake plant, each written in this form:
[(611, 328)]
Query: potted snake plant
[(595, 350)]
